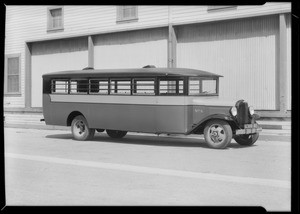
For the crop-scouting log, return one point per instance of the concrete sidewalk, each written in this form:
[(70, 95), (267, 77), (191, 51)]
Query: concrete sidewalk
[(33, 121)]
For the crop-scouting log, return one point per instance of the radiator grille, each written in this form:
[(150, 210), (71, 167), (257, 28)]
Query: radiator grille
[(242, 112)]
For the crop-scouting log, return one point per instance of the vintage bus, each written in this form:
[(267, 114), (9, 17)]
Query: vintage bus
[(150, 100)]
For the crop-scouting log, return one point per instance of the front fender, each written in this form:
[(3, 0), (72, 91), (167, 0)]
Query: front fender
[(200, 125)]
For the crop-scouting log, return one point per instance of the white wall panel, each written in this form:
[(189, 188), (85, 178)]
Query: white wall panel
[(243, 51), (55, 56), (131, 49), (42, 64)]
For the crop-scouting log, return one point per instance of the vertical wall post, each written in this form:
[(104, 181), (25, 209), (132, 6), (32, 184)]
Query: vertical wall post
[(283, 92), (27, 75), (172, 43), (90, 52)]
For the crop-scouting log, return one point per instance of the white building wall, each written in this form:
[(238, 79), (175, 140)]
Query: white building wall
[(196, 14), (133, 49), (29, 24), (243, 51)]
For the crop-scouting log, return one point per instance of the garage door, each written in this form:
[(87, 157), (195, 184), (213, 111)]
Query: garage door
[(243, 51), (52, 56), (133, 49)]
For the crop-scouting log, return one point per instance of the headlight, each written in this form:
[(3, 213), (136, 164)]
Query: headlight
[(233, 111), (251, 110)]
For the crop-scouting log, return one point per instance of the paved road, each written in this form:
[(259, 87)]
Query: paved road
[(47, 167)]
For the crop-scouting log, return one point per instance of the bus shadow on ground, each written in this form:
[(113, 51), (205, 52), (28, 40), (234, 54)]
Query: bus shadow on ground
[(154, 140)]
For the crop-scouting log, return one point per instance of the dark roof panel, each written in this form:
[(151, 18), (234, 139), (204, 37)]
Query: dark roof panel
[(131, 72)]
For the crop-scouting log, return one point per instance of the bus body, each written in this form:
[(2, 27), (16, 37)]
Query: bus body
[(150, 100)]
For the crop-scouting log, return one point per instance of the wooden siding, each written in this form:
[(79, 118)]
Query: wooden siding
[(133, 49), (194, 14), (243, 51)]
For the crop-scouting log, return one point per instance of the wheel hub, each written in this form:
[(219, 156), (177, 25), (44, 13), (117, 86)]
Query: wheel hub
[(217, 134), (80, 127)]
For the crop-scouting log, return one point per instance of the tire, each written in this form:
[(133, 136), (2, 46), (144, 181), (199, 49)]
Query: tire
[(246, 139), (217, 134), (80, 129), (116, 133)]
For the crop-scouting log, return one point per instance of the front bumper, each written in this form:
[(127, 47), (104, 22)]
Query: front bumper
[(249, 129)]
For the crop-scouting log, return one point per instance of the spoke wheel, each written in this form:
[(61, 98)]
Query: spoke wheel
[(217, 134), (80, 129)]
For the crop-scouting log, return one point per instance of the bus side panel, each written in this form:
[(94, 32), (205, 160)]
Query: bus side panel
[(171, 119), (128, 117), (55, 113), (140, 118)]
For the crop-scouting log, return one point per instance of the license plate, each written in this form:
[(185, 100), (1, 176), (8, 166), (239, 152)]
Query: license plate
[(251, 126)]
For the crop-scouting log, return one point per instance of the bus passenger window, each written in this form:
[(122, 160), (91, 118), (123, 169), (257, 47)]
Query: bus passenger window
[(120, 87), (171, 87), (79, 86), (99, 86), (143, 87), (202, 86), (59, 86)]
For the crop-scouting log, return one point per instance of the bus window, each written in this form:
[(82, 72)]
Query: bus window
[(143, 87), (171, 87), (59, 86), (201, 86), (120, 86), (79, 86), (98, 86)]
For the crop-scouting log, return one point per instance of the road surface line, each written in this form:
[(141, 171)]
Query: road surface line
[(152, 170)]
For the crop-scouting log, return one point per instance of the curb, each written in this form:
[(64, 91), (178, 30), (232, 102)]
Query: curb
[(266, 131)]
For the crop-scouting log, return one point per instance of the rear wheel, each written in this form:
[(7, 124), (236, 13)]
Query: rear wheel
[(116, 133), (246, 139), (80, 129), (217, 134)]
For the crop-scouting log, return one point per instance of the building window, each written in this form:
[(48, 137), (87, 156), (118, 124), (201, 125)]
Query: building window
[(127, 13), (55, 18), (12, 74), (221, 8)]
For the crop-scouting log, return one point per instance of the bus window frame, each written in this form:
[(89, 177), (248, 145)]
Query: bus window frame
[(203, 78), (133, 84), (77, 92), (99, 79), (119, 79), (177, 79), (54, 84)]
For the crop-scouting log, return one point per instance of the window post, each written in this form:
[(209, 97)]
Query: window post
[(90, 52), (27, 75), (172, 43)]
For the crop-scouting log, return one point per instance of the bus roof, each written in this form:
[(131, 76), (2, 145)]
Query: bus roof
[(131, 72)]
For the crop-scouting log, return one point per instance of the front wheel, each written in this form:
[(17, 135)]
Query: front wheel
[(246, 139), (80, 129), (217, 134), (116, 133)]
